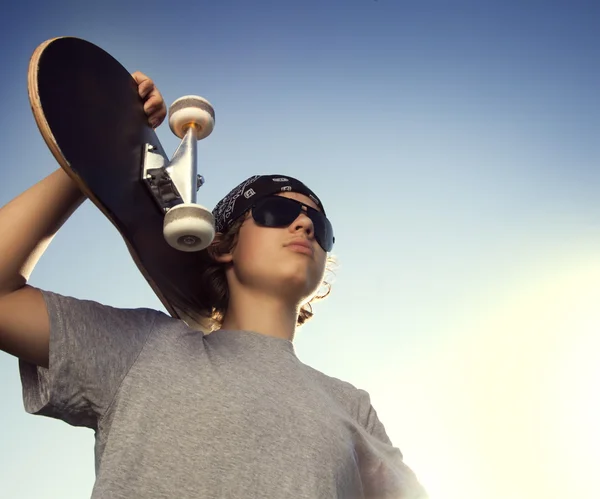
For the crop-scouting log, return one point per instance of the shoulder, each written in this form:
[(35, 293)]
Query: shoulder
[(356, 400), (335, 384), (70, 304), (88, 317)]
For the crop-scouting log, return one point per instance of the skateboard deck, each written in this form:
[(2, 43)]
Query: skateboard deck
[(88, 110)]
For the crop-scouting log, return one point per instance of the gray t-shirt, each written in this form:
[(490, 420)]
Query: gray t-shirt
[(235, 414)]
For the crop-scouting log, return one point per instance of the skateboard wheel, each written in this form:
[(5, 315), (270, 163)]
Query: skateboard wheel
[(189, 227), (191, 111)]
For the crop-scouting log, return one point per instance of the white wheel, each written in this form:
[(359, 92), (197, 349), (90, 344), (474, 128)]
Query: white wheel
[(191, 111), (189, 227)]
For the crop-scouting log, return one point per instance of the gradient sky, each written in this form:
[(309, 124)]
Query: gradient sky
[(456, 148)]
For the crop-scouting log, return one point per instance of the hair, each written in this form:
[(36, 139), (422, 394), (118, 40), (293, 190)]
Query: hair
[(213, 280)]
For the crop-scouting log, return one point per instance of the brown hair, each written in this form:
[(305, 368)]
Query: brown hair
[(214, 281)]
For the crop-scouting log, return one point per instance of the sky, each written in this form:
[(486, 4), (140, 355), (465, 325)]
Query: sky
[(455, 147)]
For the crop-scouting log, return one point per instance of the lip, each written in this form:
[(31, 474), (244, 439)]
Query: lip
[(301, 246)]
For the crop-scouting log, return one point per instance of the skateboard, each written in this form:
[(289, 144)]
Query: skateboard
[(88, 110)]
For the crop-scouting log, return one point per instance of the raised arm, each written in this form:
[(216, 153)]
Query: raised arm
[(27, 224)]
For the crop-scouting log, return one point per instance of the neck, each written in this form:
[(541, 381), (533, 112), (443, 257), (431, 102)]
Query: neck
[(262, 314)]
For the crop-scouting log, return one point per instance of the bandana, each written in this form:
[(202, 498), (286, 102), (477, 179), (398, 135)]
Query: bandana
[(242, 197)]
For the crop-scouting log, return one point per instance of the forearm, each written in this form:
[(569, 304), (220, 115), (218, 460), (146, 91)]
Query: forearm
[(28, 223)]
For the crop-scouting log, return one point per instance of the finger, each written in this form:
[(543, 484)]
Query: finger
[(145, 84), (157, 115), (156, 119), (139, 77), (153, 103), (146, 88), (160, 114)]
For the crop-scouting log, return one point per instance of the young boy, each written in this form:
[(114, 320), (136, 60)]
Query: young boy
[(179, 413)]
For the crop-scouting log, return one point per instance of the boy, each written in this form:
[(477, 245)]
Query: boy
[(179, 413)]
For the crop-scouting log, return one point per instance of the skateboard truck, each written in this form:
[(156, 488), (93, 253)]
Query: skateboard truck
[(187, 226)]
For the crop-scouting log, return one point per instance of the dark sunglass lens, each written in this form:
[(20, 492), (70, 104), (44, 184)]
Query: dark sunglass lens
[(323, 229), (275, 211), (328, 236)]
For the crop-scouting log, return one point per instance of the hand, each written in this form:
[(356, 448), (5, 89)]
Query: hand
[(154, 104)]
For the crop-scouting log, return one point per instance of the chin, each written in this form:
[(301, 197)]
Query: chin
[(299, 284)]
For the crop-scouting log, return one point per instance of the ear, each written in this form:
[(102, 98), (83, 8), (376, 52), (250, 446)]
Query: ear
[(216, 253)]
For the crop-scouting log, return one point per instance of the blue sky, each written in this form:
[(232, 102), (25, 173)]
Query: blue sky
[(455, 146)]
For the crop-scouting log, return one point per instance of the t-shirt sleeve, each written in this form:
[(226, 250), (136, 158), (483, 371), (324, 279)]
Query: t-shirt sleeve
[(92, 347), (383, 472)]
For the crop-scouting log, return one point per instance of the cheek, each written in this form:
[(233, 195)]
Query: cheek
[(321, 264), (254, 250), (259, 255)]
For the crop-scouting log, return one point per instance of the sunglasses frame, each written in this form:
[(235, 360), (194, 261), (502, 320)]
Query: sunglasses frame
[(310, 212)]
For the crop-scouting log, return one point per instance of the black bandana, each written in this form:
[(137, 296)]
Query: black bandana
[(242, 197)]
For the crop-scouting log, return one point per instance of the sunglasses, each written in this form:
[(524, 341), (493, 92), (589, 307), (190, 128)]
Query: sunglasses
[(278, 212)]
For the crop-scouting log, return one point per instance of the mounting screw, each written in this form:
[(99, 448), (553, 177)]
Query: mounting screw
[(188, 240)]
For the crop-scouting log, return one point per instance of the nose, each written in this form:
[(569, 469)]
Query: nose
[(302, 223)]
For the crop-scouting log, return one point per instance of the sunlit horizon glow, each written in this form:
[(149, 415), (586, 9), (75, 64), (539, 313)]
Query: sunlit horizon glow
[(526, 372)]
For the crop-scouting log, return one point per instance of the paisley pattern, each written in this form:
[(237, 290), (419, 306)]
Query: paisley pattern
[(243, 196)]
